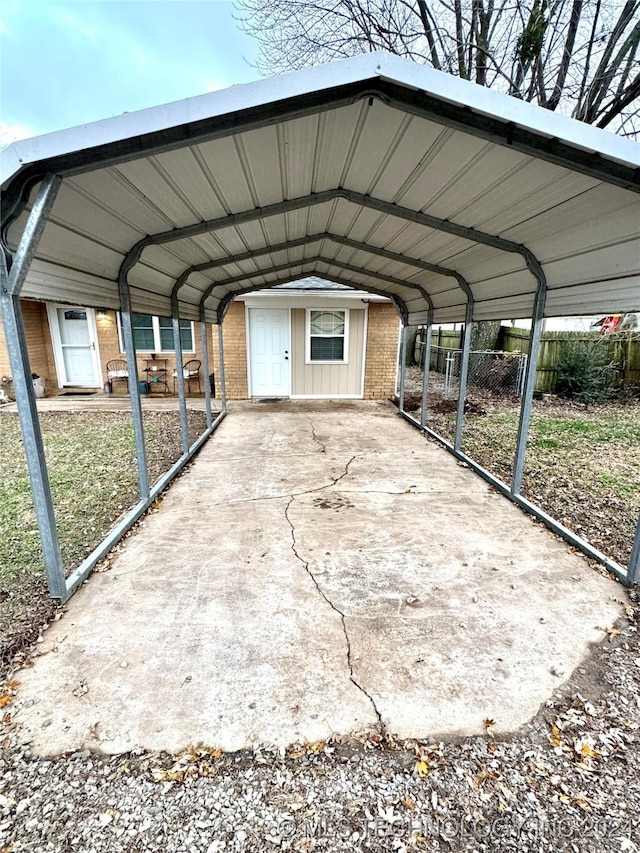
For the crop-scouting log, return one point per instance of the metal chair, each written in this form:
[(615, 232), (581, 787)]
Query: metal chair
[(117, 372), (191, 373)]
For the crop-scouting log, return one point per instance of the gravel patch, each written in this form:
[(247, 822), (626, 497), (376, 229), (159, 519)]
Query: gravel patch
[(569, 780)]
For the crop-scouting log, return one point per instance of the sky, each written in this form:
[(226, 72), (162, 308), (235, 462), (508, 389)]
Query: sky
[(66, 63)]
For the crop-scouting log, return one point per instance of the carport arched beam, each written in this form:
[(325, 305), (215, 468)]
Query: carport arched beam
[(313, 199), (315, 238), (228, 297), (223, 307), (358, 270)]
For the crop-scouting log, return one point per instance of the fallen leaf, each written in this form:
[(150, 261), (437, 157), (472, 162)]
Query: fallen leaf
[(422, 768), (611, 632), (554, 737)]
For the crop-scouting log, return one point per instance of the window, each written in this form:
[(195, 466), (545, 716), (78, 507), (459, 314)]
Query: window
[(327, 336), (166, 334), (155, 334)]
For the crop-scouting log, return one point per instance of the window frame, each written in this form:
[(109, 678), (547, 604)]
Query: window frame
[(157, 338), (344, 336)]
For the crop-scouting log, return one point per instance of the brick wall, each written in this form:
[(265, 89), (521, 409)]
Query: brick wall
[(234, 339), (382, 349), (109, 346), (380, 371), (36, 327)]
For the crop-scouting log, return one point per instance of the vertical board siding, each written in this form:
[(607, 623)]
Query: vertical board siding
[(327, 380)]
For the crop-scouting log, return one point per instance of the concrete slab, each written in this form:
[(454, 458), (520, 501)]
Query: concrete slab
[(320, 567)]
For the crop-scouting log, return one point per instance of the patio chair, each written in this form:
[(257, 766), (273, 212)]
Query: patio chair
[(191, 373), (117, 372)]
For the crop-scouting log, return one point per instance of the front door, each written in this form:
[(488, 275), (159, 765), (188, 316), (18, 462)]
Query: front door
[(269, 352), (74, 335)]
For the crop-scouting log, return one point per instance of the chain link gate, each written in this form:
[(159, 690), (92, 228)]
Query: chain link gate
[(490, 371)]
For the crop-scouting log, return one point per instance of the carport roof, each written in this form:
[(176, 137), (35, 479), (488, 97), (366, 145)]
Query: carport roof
[(373, 172)]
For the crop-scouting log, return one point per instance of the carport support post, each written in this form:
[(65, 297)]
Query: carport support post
[(464, 373), (427, 369), (223, 381), (633, 569), (403, 366), (182, 401), (10, 287), (526, 406), (134, 389), (204, 346)]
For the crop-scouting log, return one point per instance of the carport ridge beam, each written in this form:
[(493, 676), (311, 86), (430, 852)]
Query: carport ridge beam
[(10, 285)]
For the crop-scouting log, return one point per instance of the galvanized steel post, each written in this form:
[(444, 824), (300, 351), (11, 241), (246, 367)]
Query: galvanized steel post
[(464, 372), (204, 345), (11, 282), (179, 373), (403, 367), (426, 370), (633, 569), (526, 406), (223, 381), (134, 388)]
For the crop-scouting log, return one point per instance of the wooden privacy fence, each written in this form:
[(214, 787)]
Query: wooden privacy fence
[(623, 352)]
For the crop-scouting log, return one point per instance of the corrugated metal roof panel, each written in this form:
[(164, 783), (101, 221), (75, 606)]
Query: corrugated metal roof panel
[(408, 167)]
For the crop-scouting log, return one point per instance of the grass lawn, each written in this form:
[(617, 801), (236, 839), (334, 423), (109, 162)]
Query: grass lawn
[(91, 460), (582, 464)]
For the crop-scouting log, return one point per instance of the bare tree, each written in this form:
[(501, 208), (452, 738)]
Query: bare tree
[(580, 57)]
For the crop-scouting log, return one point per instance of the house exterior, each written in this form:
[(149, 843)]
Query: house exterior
[(308, 340)]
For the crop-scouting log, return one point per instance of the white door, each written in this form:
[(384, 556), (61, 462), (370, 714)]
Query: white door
[(269, 352), (74, 334)]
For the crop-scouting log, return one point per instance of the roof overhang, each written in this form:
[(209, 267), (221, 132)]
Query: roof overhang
[(374, 172)]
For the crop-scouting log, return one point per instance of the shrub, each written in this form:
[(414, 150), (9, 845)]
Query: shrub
[(584, 372)]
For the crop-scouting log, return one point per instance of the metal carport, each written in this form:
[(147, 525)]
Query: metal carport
[(459, 203)]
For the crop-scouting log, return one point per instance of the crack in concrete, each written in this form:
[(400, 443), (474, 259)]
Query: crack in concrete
[(330, 485), (305, 564), (323, 446)]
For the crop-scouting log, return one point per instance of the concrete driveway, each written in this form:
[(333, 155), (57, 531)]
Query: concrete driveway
[(321, 568)]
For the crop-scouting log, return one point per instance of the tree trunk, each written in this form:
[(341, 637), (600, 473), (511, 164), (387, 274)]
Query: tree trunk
[(484, 335)]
